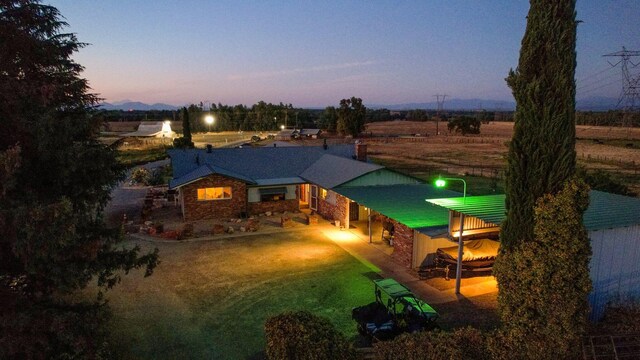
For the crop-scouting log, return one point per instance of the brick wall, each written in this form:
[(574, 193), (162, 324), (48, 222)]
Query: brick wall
[(334, 207), (273, 206), (402, 243), (214, 209)]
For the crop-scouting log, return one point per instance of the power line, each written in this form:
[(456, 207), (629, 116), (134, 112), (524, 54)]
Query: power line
[(630, 94)]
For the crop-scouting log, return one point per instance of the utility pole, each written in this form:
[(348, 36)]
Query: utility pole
[(439, 110), (630, 94)]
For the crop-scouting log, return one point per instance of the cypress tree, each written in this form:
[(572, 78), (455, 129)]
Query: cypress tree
[(543, 267), (542, 151), (186, 126)]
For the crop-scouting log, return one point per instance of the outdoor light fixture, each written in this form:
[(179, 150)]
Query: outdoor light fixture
[(209, 120), (442, 182), (281, 127)]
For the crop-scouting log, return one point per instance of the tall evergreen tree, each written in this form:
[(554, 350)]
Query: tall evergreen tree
[(186, 125), (542, 270), (542, 151), (57, 179)]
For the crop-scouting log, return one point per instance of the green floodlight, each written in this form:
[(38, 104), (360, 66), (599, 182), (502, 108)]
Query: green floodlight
[(442, 182)]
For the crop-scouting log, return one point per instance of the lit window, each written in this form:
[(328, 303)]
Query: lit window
[(323, 193), (216, 193)]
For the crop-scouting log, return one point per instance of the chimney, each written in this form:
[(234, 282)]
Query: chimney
[(361, 151), (209, 148)]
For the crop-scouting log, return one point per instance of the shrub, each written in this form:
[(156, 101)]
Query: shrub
[(302, 335), (620, 319), (465, 343), (141, 176)]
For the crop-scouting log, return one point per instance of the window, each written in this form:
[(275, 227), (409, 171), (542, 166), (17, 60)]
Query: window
[(216, 193), (271, 197), (323, 193), (272, 194)]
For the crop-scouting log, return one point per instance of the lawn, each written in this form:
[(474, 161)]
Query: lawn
[(133, 157), (211, 299)]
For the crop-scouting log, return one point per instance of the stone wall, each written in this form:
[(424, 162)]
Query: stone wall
[(273, 206), (194, 209), (402, 243), (334, 207)]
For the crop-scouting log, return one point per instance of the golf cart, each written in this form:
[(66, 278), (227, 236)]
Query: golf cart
[(395, 311)]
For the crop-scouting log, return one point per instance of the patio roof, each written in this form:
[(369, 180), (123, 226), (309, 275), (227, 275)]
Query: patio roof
[(605, 211), (403, 203)]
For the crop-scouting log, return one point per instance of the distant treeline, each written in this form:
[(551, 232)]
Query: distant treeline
[(608, 118), (270, 117)]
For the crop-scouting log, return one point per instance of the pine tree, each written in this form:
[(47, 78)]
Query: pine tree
[(57, 178)]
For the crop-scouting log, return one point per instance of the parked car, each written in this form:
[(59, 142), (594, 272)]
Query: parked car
[(395, 311)]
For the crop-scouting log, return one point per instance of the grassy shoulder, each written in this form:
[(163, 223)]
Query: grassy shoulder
[(131, 158)]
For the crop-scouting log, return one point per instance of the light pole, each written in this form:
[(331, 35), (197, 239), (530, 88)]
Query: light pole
[(442, 182), (209, 119)]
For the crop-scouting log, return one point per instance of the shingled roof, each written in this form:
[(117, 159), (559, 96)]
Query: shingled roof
[(259, 165), (341, 170)]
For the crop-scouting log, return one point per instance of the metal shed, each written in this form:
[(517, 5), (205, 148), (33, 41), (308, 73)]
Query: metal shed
[(613, 225)]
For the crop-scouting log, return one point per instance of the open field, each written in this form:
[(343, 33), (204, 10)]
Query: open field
[(616, 150)]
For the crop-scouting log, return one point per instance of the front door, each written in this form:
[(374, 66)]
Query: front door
[(313, 204), (353, 211)]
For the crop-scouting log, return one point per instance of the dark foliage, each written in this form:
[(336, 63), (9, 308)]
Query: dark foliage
[(620, 318), (56, 180), (543, 266), (465, 343), (464, 125), (302, 335), (351, 116), (544, 283), (542, 152), (603, 181)]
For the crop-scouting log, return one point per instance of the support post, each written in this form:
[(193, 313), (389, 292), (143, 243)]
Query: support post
[(460, 253), (369, 224)]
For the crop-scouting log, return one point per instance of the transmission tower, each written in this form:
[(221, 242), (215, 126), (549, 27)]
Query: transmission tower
[(439, 109), (629, 99)]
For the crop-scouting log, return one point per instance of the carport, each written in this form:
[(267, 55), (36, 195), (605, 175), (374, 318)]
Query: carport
[(613, 225), (417, 223)]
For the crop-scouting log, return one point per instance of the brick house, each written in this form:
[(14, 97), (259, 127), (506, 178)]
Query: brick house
[(335, 181)]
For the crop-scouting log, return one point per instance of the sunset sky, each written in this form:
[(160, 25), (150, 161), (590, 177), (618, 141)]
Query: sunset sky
[(313, 53)]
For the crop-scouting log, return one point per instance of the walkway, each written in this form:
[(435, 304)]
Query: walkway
[(357, 244)]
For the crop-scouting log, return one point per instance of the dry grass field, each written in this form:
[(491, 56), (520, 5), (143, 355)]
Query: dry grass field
[(395, 144)]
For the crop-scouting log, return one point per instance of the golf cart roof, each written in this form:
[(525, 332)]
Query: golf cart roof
[(392, 288)]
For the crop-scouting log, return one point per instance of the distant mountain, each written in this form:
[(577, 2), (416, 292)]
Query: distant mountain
[(594, 103), (136, 105)]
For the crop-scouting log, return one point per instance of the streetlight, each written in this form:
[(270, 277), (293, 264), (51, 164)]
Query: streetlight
[(281, 127), (209, 120), (442, 182)]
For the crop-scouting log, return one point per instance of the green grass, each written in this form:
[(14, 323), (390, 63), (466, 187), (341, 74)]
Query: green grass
[(132, 158), (211, 299)]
